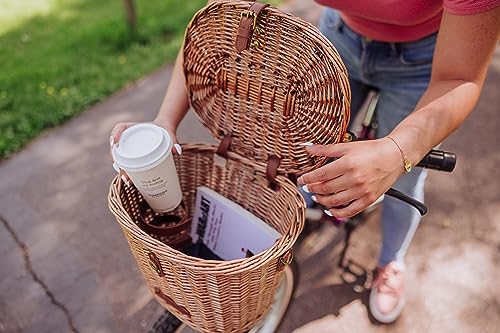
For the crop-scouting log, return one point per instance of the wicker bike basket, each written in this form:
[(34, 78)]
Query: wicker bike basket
[(263, 82)]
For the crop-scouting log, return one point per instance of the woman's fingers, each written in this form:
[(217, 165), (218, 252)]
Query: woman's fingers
[(117, 132), (347, 211), (325, 173), (333, 150), (327, 187), (178, 148), (361, 173), (338, 199)]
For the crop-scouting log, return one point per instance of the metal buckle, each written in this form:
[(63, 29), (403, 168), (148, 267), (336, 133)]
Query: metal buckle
[(250, 14)]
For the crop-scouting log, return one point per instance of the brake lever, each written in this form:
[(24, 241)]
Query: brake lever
[(422, 209)]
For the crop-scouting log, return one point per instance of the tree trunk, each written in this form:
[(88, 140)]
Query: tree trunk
[(130, 15)]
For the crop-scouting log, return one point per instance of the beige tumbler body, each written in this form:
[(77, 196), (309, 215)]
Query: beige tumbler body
[(144, 152)]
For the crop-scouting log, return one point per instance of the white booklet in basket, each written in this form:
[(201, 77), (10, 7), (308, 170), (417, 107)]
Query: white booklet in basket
[(227, 229)]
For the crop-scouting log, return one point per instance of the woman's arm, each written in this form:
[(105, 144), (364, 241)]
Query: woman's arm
[(175, 103), (463, 51), (365, 170), (172, 110)]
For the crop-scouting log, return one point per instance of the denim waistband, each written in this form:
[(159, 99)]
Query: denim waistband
[(430, 39)]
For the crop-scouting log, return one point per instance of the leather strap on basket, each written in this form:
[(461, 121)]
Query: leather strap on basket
[(273, 163), (155, 264), (171, 302), (247, 25), (224, 146)]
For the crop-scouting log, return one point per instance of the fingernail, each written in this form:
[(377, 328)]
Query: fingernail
[(125, 180), (306, 144), (327, 212), (305, 189), (111, 141), (115, 166), (178, 148), (314, 198), (300, 180)]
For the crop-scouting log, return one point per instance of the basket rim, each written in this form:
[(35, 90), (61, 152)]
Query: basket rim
[(279, 248)]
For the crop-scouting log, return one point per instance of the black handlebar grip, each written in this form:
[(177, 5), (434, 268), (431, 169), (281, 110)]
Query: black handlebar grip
[(439, 160)]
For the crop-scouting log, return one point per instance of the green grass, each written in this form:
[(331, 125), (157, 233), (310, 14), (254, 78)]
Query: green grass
[(58, 57)]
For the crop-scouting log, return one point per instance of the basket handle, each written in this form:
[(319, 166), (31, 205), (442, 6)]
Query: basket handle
[(247, 25)]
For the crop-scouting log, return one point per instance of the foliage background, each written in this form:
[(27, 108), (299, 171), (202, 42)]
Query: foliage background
[(58, 57)]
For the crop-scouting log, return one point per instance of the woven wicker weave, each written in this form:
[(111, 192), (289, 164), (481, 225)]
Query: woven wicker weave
[(214, 296), (291, 89), (268, 99)]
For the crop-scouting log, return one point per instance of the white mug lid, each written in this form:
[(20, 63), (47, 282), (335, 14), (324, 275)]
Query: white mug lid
[(142, 147)]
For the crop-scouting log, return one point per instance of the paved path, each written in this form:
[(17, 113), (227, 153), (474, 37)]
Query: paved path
[(65, 265)]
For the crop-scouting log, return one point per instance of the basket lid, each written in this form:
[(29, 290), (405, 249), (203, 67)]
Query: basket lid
[(286, 86)]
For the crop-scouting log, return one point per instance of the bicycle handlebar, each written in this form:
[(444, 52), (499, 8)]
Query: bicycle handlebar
[(439, 160), (435, 160)]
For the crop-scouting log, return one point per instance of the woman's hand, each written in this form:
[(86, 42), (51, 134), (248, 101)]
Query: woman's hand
[(361, 173), (119, 128)]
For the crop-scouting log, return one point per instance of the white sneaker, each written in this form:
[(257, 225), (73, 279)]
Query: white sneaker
[(387, 297)]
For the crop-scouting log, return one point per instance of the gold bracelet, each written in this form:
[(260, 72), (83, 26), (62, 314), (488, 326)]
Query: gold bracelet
[(406, 161)]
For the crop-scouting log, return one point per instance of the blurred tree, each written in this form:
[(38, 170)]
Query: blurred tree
[(130, 15)]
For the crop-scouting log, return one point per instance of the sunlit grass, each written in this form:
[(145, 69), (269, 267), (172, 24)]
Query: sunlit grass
[(58, 57), (14, 13)]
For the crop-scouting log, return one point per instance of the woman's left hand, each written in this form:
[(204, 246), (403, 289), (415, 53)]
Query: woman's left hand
[(361, 173)]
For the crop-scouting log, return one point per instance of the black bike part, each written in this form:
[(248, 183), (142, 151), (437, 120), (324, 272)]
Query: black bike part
[(422, 209), (349, 227), (349, 136), (167, 323), (439, 160)]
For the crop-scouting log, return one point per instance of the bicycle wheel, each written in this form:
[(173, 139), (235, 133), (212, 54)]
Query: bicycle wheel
[(167, 323), (272, 320)]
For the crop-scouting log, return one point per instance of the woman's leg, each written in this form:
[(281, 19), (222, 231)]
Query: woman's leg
[(399, 220), (402, 78), (401, 72)]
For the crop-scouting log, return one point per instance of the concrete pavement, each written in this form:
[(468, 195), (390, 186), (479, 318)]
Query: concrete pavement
[(65, 265)]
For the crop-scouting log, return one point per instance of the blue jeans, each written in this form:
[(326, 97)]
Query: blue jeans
[(401, 73)]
